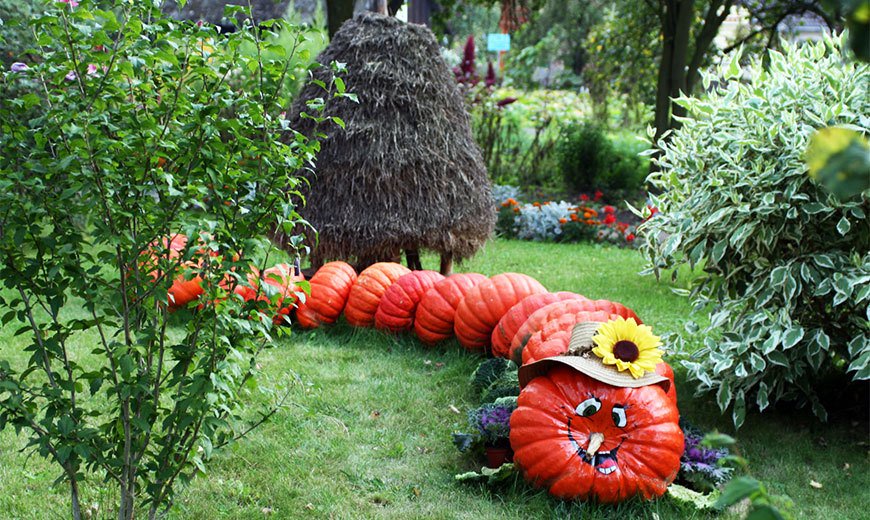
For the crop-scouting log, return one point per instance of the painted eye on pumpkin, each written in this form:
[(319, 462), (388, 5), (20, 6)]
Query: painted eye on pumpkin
[(618, 415), (588, 407)]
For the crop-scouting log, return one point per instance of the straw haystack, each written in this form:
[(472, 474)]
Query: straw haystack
[(406, 174)]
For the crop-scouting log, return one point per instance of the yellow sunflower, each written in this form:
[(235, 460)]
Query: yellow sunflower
[(628, 345)]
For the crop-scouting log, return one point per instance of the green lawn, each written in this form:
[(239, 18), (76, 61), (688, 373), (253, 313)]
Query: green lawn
[(366, 431)]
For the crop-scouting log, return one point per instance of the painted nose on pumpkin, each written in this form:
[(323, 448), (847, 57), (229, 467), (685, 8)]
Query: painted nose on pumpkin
[(595, 441)]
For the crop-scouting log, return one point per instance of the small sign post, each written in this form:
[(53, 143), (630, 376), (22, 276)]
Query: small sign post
[(500, 43)]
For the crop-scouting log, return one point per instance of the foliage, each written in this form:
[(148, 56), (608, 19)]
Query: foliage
[(701, 467), (553, 40), (15, 35), (140, 127), (622, 57), (589, 160), (490, 371), (786, 265), (763, 503), (590, 220), (839, 158), (505, 473)]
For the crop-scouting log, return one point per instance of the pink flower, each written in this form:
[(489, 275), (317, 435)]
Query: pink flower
[(18, 67), (72, 3), (505, 102), (92, 69), (71, 75)]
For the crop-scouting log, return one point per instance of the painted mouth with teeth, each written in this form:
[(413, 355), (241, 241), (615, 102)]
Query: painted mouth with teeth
[(603, 461)]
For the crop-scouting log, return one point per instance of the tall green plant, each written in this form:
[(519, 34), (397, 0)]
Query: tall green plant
[(786, 265), (138, 127)]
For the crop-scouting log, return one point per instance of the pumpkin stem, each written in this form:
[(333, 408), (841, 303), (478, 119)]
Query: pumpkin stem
[(595, 441)]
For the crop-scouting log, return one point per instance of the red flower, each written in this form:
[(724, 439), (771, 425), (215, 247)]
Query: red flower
[(610, 218), (584, 197), (598, 194), (629, 237), (609, 209)]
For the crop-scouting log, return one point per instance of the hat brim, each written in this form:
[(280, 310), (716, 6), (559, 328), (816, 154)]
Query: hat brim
[(589, 364), (593, 368)]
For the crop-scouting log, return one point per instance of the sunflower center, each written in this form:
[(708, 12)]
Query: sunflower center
[(625, 350)]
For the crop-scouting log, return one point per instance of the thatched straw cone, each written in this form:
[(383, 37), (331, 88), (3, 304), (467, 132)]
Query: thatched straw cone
[(406, 173)]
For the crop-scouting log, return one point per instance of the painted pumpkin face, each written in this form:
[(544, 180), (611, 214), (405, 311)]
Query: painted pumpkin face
[(585, 439)]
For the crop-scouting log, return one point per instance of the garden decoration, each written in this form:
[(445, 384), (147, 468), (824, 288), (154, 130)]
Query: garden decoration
[(598, 424), (517, 315), (366, 293), (399, 304), (434, 319), (405, 172), (281, 280), (330, 288), (481, 309), (492, 423), (537, 318)]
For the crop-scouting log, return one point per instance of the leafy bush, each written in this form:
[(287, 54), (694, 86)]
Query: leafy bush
[(15, 34), (786, 264), (588, 160), (133, 133)]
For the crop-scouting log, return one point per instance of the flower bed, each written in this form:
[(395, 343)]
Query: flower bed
[(587, 220)]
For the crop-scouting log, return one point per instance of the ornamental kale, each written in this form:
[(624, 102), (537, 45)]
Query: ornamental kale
[(700, 466)]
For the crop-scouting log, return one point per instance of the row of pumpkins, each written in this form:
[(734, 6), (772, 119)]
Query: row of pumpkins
[(635, 432)]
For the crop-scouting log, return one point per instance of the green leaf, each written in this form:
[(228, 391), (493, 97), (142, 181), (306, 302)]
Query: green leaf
[(792, 337), (843, 226), (737, 490), (764, 512)]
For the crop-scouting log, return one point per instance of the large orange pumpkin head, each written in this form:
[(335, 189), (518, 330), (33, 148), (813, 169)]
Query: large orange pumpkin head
[(433, 320), (598, 423), (584, 439)]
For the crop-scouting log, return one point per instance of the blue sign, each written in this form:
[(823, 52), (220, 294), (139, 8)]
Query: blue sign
[(498, 42)]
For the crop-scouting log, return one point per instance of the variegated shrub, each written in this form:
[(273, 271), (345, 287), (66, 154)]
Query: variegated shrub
[(786, 265)]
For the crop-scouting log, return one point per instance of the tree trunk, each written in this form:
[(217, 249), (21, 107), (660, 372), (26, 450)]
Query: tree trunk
[(446, 264), (337, 12), (412, 256), (420, 11), (676, 25), (74, 499)]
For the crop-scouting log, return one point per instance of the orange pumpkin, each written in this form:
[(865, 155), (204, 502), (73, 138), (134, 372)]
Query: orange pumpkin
[(330, 288), (535, 320), (517, 315), (433, 320), (284, 278), (367, 291), (583, 439), (399, 304), (485, 304)]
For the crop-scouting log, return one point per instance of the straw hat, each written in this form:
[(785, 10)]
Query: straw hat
[(581, 359)]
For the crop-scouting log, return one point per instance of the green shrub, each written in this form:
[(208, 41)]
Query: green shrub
[(786, 265), (589, 161), (126, 130), (15, 34)]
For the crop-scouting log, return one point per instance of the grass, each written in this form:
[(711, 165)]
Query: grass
[(366, 433)]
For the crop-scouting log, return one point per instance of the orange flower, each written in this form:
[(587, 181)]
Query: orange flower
[(563, 221), (587, 214), (536, 204), (505, 204), (574, 217), (516, 209)]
